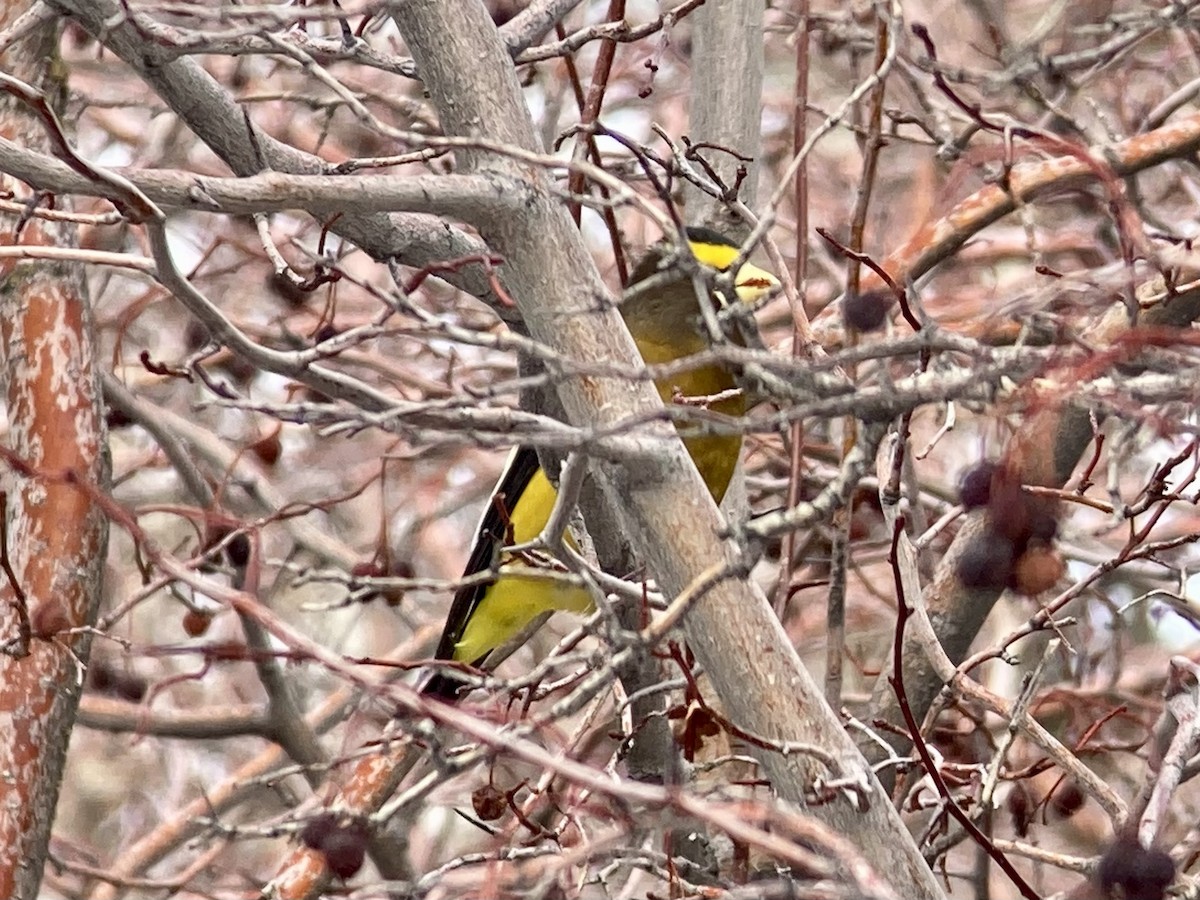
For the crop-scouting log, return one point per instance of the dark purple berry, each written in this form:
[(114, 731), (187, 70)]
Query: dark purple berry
[(975, 486), (986, 562), (238, 550), (1133, 872), (345, 848), (1067, 800), (866, 312), (317, 829)]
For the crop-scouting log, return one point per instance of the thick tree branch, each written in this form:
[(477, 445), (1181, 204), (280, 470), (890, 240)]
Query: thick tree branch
[(460, 197), (57, 538)]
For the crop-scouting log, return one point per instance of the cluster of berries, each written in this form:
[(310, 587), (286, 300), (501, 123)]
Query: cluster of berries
[(1016, 550)]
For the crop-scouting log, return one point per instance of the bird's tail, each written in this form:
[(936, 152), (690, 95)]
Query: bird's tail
[(445, 685)]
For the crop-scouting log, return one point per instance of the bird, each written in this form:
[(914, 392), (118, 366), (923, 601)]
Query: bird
[(665, 321)]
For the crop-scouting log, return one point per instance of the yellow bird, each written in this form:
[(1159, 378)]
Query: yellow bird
[(664, 320)]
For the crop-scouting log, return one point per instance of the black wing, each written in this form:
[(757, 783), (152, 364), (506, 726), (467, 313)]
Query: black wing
[(489, 538)]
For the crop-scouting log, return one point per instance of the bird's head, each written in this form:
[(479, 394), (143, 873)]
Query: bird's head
[(715, 250)]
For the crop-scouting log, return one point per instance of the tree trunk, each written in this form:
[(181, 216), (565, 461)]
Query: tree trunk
[(56, 536)]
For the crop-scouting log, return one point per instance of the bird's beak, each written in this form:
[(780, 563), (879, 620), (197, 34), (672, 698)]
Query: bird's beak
[(753, 283)]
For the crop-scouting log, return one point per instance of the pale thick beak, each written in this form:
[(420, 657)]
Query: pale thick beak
[(753, 283)]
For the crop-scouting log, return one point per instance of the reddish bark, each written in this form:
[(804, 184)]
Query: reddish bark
[(56, 536)]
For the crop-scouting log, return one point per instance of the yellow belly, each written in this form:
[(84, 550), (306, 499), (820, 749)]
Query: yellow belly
[(514, 601), (715, 455)]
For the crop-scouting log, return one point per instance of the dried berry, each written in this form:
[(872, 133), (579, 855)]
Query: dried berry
[(866, 312), (1036, 570), (49, 618), (326, 332), (1020, 808), (101, 676), (115, 419), (1067, 800), (503, 11), (238, 550), (1130, 871), (986, 562), (237, 547), (130, 687), (291, 292), (488, 802), (345, 848), (240, 369), (317, 829), (195, 622), (343, 842), (195, 335), (975, 486), (268, 448)]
